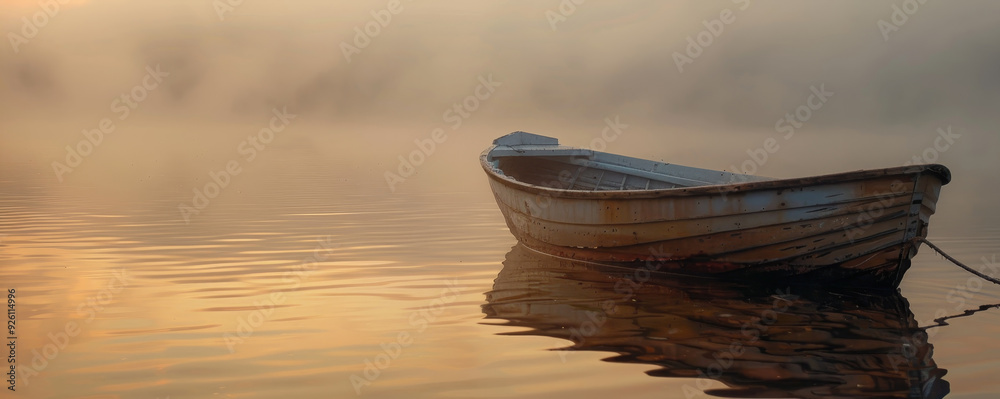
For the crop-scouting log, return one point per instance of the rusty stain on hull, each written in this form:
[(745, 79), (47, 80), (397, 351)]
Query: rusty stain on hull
[(588, 205)]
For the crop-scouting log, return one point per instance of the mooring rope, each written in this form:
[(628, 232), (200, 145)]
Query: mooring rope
[(956, 262), (943, 321)]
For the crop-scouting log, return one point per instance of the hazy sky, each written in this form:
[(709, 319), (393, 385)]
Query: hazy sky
[(562, 70), (940, 63)]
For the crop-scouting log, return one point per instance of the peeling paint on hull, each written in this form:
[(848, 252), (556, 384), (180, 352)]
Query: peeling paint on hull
[(856, 223)]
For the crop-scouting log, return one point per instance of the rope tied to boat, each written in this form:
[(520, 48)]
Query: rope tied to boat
[(956, 262)]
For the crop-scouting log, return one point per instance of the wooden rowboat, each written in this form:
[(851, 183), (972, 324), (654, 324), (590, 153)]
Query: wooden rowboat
[(590, 205)]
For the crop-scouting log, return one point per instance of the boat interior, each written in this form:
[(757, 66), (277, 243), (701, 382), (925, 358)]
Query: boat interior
[(596, 171), (541, 161), (561, 173)]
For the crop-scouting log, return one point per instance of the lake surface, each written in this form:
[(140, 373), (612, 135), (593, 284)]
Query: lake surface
[(328, 286), (219, 223)]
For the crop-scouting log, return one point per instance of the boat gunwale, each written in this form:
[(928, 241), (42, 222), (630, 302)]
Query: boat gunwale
[(937, 170)]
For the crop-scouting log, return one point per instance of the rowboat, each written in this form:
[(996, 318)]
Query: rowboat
[(760, 341), (589, 205)]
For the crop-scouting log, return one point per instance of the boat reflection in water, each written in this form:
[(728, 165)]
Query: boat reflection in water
[(759, 341)]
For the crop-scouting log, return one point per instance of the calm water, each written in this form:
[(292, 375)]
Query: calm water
[(325, 286), (307, 278)]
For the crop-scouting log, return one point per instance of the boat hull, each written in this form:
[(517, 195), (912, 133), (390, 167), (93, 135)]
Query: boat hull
[(850, 225)]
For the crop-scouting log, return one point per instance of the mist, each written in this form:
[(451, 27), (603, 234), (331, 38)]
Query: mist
[(563, 69)]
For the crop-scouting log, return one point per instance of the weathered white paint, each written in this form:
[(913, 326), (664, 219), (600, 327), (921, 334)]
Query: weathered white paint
[(801, 224)]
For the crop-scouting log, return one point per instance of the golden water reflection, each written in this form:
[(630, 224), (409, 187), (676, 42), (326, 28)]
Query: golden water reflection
[(760, 342)]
